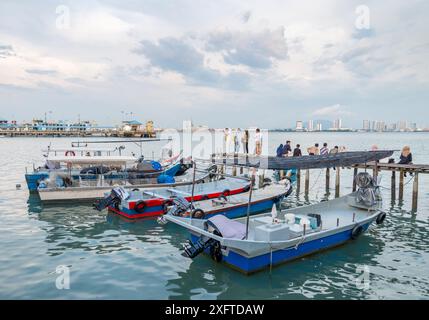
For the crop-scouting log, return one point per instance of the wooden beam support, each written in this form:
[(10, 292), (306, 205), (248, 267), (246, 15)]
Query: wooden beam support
[(415, 192), (337, 183)]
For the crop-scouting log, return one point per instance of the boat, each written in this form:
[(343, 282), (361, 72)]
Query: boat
[(233, 206), (83, 190), (145, 203), (76, 164), (254, 243)]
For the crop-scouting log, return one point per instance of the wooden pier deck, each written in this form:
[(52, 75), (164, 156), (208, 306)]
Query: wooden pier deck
[(396, 169)]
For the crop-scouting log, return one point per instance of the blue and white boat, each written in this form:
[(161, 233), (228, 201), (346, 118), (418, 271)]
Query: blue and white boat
[(253, 243), (266, 240), (77, 165)]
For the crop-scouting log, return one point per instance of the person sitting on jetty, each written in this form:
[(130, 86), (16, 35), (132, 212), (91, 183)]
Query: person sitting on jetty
[(406, 157), (297, 152), (313, 151), (287, 148), (324, 151), (279, 151)]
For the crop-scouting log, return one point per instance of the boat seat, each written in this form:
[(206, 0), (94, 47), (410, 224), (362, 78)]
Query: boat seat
[(228, 228)]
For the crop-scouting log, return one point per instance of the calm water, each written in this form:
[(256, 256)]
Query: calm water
[(110, 258)]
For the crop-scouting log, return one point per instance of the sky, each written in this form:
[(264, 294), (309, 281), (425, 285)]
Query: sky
[(220, 63)]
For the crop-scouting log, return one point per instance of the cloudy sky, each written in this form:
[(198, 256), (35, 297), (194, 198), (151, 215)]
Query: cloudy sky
[(221, 63)]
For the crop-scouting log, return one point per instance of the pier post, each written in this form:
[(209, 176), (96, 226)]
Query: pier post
[(337, 183), (401, 185), (355, 173), (393, 192), (234, 171), (298, 181), (328, 178), (415, 192), (307, 181), (241, 170), (375, 172)]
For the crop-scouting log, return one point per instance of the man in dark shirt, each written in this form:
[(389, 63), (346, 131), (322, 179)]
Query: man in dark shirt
[(287, 148), (297, 152)]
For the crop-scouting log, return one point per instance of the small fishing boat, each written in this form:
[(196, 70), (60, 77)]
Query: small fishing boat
[(267, 240), (233, 206), (155, 202), (83, 190), (254, 243), (77, 164)]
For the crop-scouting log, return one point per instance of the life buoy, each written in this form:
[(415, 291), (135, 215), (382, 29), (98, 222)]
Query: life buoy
[(140, 206), (70, 153), (198, 214), (226, 192), (380, 218), (356, 232)]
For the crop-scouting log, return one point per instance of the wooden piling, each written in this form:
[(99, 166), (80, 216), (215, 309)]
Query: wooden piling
[(393, 187), (298, 181), (415, 192), (234, 171), (307, 181), (241, 170), (328, 177), (337, 183), (375, 172), (355, 173), (401, 185)]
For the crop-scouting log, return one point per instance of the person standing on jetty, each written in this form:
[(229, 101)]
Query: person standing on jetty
[(245, 141), (313, 151), (324, 151), (238, 138), (297, 152), (258, 142)]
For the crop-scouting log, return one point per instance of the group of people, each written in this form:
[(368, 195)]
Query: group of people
[(286, 150), (237, 141)]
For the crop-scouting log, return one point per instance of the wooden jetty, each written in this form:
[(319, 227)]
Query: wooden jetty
[(412, 169)]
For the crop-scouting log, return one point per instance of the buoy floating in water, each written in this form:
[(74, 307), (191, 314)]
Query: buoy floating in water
[(18, 186)]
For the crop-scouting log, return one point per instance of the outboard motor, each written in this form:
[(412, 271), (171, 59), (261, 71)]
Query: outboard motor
[(113, 199), (368, 193), (180, 206), (192, 250)]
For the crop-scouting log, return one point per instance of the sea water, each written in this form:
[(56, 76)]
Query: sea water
[(74, 252)]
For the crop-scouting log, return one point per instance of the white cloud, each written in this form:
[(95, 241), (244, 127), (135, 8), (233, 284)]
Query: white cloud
[(332, 111)]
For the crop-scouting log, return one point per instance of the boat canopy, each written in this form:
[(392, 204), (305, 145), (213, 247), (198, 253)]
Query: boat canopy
[(87, 160), (342, 159)]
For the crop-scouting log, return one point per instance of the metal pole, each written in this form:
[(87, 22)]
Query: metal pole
[(252, 181), (193, 186)]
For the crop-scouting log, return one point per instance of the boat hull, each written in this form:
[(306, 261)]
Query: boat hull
[(249, 265)]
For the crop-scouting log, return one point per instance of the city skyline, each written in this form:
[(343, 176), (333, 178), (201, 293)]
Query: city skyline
[(227, 63)]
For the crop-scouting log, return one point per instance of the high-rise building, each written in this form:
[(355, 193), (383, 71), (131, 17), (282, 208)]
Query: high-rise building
[(402, 125), (366, 125), (319, 127), (299, 126), (310, 125), (337, 124)]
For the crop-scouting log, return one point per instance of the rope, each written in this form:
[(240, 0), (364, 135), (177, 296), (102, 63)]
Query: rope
[(314, 184)]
